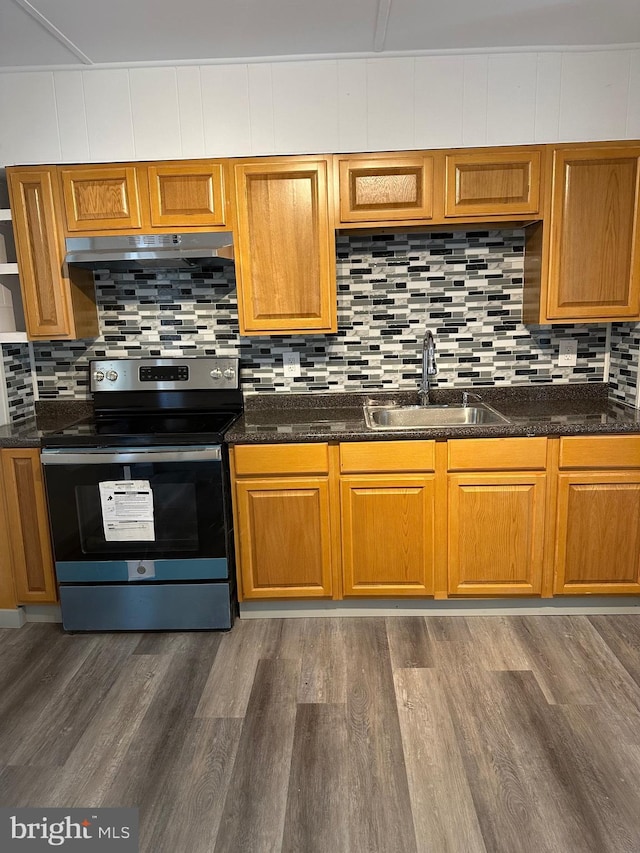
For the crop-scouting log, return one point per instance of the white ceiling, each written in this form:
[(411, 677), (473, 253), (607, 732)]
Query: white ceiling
[(76, 32)]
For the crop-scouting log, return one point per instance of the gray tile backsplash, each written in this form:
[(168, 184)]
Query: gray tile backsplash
[(18, 378), (465, 286), (625, 362)]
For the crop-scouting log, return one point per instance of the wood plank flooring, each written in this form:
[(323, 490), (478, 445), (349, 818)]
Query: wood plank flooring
[(369, 735)]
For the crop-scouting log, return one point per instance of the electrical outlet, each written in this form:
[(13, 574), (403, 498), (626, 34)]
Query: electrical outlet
[(291, 364), (567, 352)]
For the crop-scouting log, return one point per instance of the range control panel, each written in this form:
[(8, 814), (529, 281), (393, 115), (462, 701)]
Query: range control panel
[(164, 374)]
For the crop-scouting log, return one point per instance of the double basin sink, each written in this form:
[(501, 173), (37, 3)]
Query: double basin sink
[(383, 417)]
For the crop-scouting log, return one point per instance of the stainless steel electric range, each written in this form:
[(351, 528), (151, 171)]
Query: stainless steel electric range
[(139, 498)]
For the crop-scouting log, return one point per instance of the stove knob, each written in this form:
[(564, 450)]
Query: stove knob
[(112, 375), (229, 373), (216, 373), (98, 376)]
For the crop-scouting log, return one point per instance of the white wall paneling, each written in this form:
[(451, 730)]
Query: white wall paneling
[(261, 107), (594, 95), (320, 106), (511, 98), (390, 103), (474, 100), (28, 118), (633, 109), (305, 106), (72, 116), (438, 102), (109, 114), (190, 111), (225, 104), (548, 82), (156, 118)]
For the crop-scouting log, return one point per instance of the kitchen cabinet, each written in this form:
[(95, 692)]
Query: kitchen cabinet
[(387, 188), (102, 198), (7, 587), (496, 515), (28, 526), (585, 264), (59, 303), (487, 183), (388, 518), (185, 194), (283, 521), (285, 246), (598, 516)]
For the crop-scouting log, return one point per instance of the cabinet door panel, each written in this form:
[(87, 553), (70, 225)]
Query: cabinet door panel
[(594, 264), (185, 194), (393, 188), (284, 538), (104, 198), (388, 535), (286, 248), (485, 183), (598, 533), (496, 533), (7, 586), (28, 526)]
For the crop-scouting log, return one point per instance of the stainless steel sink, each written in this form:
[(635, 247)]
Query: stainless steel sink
[(424, 417)]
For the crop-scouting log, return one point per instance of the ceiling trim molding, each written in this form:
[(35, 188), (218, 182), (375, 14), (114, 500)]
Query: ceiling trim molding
[(322, 57), (26, 6), (382, 22)]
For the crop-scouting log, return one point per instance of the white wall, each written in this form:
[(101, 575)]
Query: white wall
[(315, 106)]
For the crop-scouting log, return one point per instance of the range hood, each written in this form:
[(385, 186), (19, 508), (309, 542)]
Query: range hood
[(158, 251)]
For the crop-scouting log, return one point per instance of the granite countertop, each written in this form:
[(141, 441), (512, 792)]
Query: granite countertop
[(537, 410), (576, 409)]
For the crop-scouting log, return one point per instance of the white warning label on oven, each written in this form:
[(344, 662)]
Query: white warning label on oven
[(127, 511)]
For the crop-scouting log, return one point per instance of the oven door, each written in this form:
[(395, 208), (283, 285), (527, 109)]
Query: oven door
[(169, 514)]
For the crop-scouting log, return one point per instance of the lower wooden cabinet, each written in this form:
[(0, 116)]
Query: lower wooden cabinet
[(496, 533), (28, 526), (388, 535)]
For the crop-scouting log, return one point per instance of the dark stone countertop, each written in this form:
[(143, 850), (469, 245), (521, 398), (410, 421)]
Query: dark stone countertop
[(51, 415), (535, 410)]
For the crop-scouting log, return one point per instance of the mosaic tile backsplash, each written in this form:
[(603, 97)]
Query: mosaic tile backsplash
[(17, 371), (625, 362), (465, 286)]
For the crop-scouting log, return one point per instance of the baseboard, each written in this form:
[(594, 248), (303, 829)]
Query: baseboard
[(573, 605), (12, 618), (43, 613)]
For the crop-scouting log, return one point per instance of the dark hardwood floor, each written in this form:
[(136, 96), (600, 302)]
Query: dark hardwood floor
[(398, 735)]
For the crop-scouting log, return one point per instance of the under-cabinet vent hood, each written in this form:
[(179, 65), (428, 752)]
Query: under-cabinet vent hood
[(158, 251)]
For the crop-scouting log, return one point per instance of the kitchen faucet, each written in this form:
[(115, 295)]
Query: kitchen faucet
[(428, 367)]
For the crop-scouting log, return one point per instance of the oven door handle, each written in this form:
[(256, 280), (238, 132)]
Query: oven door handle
[(130, 455)]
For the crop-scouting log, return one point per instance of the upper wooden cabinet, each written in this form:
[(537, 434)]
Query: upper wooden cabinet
[(386, 187), (28, 526), (492, 183), (58, 303), (166, 196), (285, 246), (586, 264), (102, 198), (190, 193)]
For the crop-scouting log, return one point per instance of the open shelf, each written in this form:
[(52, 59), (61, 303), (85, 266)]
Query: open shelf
[(8, 269), (13, 337), (5, 214)]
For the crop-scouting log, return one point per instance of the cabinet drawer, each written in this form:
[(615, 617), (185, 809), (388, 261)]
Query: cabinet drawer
[(602, 451), (498, 454), (387, 456), (281, 459)]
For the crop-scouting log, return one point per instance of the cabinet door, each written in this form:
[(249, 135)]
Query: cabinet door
[(388, 535), (496, 533), (285, 245), (28, 526), (594, 250), (386, 188), (284, 537), (102, 198), (598, 533), (492, 183), (7, 586), (184, 195)]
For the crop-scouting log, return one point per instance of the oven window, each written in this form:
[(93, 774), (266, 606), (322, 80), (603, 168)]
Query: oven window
[(176, 519)]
